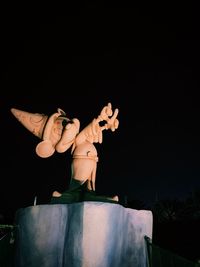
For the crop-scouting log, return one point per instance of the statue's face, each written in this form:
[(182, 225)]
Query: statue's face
[(56, 131), (68, 135), (60, 136)]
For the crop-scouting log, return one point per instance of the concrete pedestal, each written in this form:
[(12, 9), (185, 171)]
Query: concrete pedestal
[(86, 234)]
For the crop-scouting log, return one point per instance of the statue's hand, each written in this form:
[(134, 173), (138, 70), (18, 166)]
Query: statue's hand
[(106, 113), (111, 119), (113, 122)]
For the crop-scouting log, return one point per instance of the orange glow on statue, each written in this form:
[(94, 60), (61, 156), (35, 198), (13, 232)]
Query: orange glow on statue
[(59, 133)]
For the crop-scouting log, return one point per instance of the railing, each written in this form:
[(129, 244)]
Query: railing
[(159, 257), (7, 241)]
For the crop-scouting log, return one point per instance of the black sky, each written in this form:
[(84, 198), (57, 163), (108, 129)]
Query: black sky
[(142, 59)]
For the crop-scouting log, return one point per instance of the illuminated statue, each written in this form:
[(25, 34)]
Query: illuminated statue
[(59, 133)]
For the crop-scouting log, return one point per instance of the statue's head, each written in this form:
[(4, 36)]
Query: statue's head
[(56, 131)]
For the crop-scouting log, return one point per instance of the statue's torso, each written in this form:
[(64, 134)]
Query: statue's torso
[(84, 161)]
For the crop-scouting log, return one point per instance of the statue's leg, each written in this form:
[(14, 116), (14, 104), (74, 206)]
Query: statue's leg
[(72, 195), (75, 183), (91, 195)]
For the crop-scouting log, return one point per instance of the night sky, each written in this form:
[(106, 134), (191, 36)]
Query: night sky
[(143, 59)]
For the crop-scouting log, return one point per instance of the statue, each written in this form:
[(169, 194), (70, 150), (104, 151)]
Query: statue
[(59, 133)]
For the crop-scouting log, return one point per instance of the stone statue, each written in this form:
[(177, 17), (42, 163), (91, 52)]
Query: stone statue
[(59, 133)]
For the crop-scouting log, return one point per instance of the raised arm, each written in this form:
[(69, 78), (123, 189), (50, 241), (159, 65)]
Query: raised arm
[(93, 131)]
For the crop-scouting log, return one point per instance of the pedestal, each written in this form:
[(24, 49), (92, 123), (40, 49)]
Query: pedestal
[(86, 234)]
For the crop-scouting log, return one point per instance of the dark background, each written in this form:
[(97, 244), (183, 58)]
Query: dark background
[(143, 59)]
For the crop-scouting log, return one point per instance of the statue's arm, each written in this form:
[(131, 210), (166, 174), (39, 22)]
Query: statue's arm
[(93, 131)]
